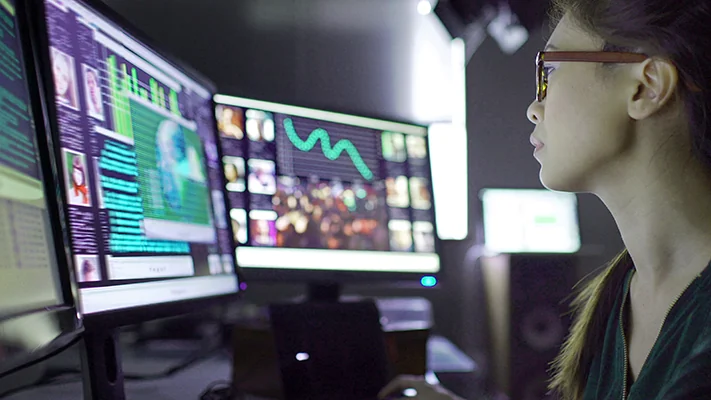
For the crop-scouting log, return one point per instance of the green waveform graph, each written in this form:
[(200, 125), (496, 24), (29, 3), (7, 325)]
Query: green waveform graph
[(332, 153)]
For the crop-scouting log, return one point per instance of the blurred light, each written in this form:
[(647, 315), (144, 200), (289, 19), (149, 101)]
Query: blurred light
[(507, 31), (430, 69), (458, 54), (302, 356), (448, 154), (409, 392), (243, 286), (428, 281), (424, 7), (431, 378)]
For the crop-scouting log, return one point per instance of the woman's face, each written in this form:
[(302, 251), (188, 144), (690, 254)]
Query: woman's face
[(61, 75), (91, 81), (583, 122)]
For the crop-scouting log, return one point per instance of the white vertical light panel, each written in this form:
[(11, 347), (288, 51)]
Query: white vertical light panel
[(448, 152), (448, 145), (429, 68), (459, 83)]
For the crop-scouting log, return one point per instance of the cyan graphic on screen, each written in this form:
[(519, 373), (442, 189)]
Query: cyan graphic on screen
[(171, 164), (332, 153), (177, 162)]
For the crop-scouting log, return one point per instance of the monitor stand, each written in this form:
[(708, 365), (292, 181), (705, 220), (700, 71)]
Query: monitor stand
[(101, 365), (323, 292)]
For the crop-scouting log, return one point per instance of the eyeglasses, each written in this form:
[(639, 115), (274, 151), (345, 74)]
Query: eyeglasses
[(577, 56)]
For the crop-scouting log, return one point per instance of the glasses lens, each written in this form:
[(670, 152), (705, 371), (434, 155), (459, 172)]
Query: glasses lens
[(540, 78)]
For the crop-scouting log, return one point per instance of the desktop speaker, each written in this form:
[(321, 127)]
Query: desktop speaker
[(527, 301)]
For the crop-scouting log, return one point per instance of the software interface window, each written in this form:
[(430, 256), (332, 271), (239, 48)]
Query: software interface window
[(302, 181), (26, 249), (143, 178)]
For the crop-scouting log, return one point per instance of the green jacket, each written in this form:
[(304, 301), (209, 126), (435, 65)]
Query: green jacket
[(678, 366)]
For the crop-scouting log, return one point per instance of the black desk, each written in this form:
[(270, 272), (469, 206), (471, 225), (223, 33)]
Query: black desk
[(186, 385), (191, 382)]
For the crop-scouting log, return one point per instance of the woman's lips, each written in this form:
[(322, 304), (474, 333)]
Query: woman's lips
[(536, 143)]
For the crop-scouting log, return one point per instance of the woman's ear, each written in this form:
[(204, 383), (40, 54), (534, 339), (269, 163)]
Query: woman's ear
[(656, 81)]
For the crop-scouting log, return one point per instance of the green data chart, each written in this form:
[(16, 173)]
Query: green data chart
[(124, 81)]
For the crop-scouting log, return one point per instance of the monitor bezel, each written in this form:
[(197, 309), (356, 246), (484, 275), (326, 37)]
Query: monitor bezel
[(130, 315), (284, 275), (64, 314)]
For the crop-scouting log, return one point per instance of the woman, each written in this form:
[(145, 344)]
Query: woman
[(628, 119)]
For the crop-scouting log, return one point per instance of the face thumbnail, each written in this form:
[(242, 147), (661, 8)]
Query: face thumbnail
[(234, 173), (65, 82), (230, 122), (92, 93), (420, 194), (87, 268)]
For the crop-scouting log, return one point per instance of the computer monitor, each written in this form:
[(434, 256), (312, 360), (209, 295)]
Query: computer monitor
[(324, 196), (140, 164), (37, 312), (141, 175), (530, 221)]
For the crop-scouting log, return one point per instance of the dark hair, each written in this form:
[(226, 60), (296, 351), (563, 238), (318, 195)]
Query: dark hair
[(677, 31)]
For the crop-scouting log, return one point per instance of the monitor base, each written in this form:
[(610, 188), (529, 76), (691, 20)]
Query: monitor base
[(323, 292)]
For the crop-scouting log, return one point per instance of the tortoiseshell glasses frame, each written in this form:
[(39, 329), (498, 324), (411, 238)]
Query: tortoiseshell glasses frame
[(544, 57)]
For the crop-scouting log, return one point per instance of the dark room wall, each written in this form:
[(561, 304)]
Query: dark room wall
[(354, 57), (349, 56)]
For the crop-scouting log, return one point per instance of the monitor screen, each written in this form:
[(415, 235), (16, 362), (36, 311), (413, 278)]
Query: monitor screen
[(28, 260), (530, 221), (143, 180), (318, 190)]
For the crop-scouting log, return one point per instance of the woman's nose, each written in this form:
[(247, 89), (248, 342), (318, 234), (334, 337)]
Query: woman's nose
[(535, 112)]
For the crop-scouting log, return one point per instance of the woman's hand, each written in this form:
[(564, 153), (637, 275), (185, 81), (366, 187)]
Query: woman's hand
[(422, 390)]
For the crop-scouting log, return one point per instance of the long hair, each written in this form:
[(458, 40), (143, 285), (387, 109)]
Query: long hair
[(592, 307)]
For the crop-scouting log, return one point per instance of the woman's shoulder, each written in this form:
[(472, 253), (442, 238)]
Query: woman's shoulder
[(689, 345), (690, 378)]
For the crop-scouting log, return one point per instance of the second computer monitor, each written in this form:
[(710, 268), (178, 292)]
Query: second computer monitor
[(530, 221), (323, 191)]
